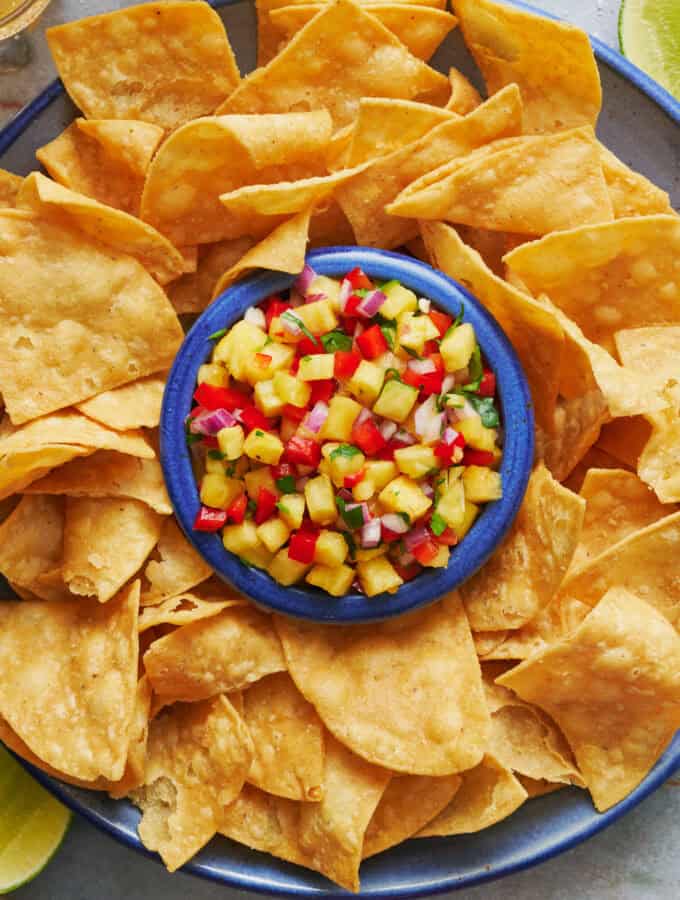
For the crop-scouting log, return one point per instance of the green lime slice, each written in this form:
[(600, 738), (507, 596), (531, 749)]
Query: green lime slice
[(32, 825), (649, 35)]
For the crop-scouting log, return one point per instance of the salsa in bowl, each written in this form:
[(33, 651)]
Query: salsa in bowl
[(350, 443)]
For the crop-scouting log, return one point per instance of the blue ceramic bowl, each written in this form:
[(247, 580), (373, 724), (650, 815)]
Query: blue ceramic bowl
[(515, 404)]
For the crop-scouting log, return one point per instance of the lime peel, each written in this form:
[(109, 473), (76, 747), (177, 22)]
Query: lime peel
[(649, 35)]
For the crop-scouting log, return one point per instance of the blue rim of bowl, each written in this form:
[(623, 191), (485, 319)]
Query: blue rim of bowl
[(490, 526), (667, 765)]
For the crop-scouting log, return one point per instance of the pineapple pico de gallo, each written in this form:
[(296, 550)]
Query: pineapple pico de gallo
[(345, 434)]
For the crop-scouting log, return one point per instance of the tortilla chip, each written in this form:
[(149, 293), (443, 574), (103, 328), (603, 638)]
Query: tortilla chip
[(187, 607), (264, 822), (215, 155), (175, 567), (618, 503), (576, 427), (9, 188), (281, 251), (533, 331), (551, 62), (524, 573), (486, 641), (464, 96), (70, 690), (489, 793), (108, 474), (612, 688), (405, 694), (364, 199), (631, 193), (193, 292), (538, 787), (106, 540), (288, 739), (594, 459), (621, 273), (530, 638), (505, 189), (105, 159), (133, 405), (319, 69), (224, 653), (659, 463), (198, 756), (182, 66), (408, 804), (31, 540), (652, 351), (102, 320), (420, 29)]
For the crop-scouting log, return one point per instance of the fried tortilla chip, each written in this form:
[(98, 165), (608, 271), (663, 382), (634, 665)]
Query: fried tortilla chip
[(134, 405), (505, 189), (576, 427), (175, 567), (102, 320), (606, 276), (106, 541), (653, 352), (215, 155), (365, 197), (187, 607), (264, 822), (288, 739), (551, 62), (405, 694), (108, 474), (538, 787), (529, 639), (182, 65), (489, 793), (198, 756), (487, 641), (193, 292), (31, 544), (224, 653), (594, 459), (105, 159), (320, 68), (631, 193), (464, 96), (526, 570), (612, 688), (625, 439), (70, 690), (659, 463), (408, 804), (9, 188), (533, 331)]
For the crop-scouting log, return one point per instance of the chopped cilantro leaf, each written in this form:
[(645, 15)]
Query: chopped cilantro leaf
[(476, 371), (405, 516), (346, 450), (216, 335), (390, 334), (487, 411), (259, 433), (286, 484), (289, 317), (215, 454), (437, 524), (250, 509), (336, 340)]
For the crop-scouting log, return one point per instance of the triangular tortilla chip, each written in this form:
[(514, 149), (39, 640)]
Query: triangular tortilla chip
[(464, 96), (188, 607), (193, 292), (9, 188), (631, 193), (264, 822), (31, 545), (174, 568), (659, 462), (133, 405), (575, 428)]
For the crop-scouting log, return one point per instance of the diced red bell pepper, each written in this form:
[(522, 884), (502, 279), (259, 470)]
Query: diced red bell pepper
[(251, 417), (295, 365), (389, 536), (210, 519), (487, 386), (372, 342), (367, 437), (209, 441), (429, 383), (473, 457), (445, 451), (302, 545), (211, 397), (322, 391), (346, 363), (296, 413), (359, 279), (236, 513), (274, 309), (409, 572), (266, 504), (388, 450), (308, 347), (351, 481), (430, 347), (350, 310), (426, 551), (302, 451), (448, 537), (283, 470), (441, 321)]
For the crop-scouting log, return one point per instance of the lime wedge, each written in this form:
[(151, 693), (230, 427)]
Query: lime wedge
[(649, 35), (32, 825)]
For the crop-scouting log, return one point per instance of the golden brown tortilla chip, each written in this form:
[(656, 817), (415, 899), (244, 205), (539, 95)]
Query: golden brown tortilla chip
[(631, 193), (539, 787), (9, 188), (174, 568), (405, 694), (31, 544), (198, 756), (551, 62), (287, 737), (612, 688), (264, 822), (526, 570), (576, 427), (186, 608), (464, 96), (594, 459), (193, 292), (70, 690), (134, 405), (320, 68), (182, 65), (625, 439), (106, 541), (224, 653), (102, 320), (659, 463)]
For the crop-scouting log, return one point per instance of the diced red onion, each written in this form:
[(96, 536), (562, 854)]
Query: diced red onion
[(422, 366), (345, 293), (290, 326), (304, 279), (371, 303), (211, 421), (371, 534), (364, 511), (388, 429), (300, 484), (317, 417), (449, 436), (427, 489), (363, 416), (448, 382), (255, 316), (415, 537), (344, 494), (404, 437), (312, 298), (424, 305), (395, 523), (428, 421)]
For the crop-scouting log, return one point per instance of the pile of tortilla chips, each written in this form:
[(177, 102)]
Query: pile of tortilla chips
[(127, 666)]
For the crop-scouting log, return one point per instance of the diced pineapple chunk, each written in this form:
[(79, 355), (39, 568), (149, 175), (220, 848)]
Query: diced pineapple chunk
[(366, 382), (287, 429), (278, 333), (273, 533), (238, 346), (330, 549), (404, 496), (362, 555), (451, 505), (471, 513), (364, 490), (286, 570), (267, 400), (292, 509), (482, 484), (335, 580), (213, 374), (230, 441), (318, 317), (318, 367), (328, 286), (457, 347), (342, 412), (441, 560), (244, 542), (415, 331), (377, 576), (219, 491), (328, 448), (380, 472), (263, 446), (291, 390), (399, 300), (345, 463), (214, 465), (396, 400), (476, 434), (259, 478), (416, 460), (262, 366), (320, 500)]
